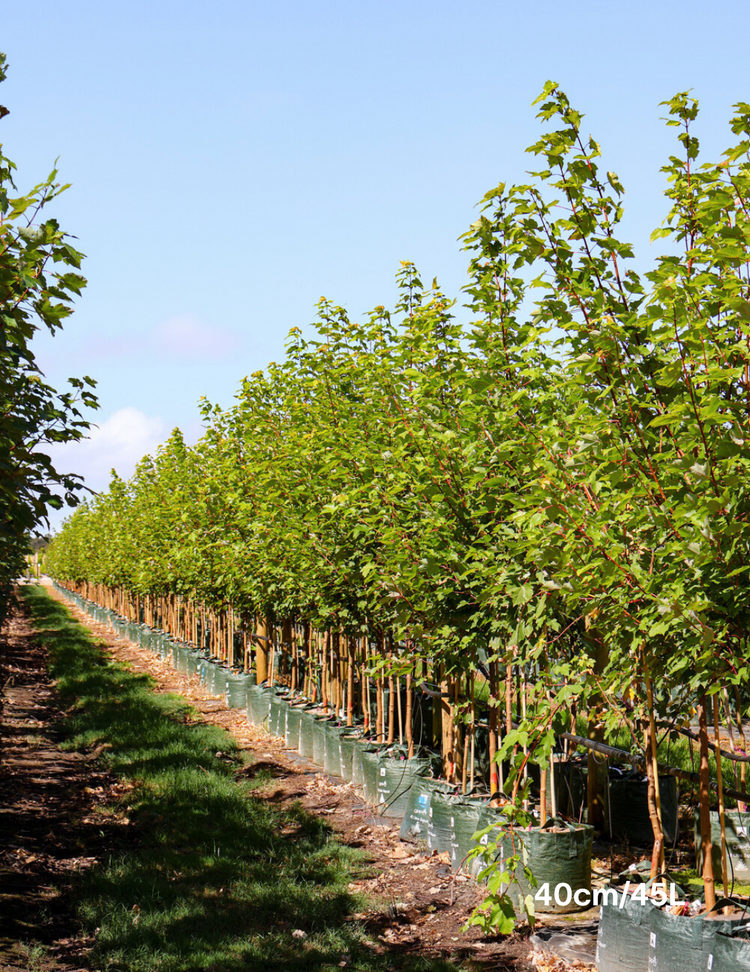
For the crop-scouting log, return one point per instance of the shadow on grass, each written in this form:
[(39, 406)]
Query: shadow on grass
[(209, 882)]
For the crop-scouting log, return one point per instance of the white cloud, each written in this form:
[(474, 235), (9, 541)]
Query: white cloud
[(189, 337), (119, 442)]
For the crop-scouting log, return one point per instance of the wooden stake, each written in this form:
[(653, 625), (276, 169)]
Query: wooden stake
[(493, 729), (722, 821), (705, 812)]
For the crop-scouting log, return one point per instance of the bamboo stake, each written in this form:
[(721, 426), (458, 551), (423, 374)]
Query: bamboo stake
[(722, 820), (391, 707), (738, 715), (350, 662), (525, 746), (400, 713), (409, 716), (552, 786), (705, 817), (473, 728), (493, 730)]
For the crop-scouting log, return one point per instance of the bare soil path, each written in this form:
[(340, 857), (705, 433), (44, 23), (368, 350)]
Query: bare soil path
[(51, 825)]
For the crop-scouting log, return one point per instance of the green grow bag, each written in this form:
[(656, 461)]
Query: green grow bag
[(293, 721), (348, 739), (236, 692), (417, 810), (729, 954), (204, 668), (465, 815), (259, 704), (737, 825), (490, 816), (686, 944), (358, 764), (305, 744), (371, 773), (454, 818), (439, 817), (277, 715), (319, 740), (210, 675), (395, 778), (216, 678), (629, 809), (332, 757), (145, 638), (622, 942), (561, 860), (180, 656), (193, 661), (220, 680)]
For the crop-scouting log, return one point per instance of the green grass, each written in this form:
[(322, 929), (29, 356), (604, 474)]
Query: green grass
[(691, 881), (214, 876)]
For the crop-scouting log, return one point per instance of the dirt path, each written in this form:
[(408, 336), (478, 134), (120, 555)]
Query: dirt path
[(52, 826)]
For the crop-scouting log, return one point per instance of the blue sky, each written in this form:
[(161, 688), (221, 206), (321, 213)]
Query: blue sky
[(231, 164)]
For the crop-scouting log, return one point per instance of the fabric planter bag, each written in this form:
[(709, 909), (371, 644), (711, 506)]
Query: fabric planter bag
[(332, 753), (305, 744), (348, 739), (277, 715), (203, 670), (629, 809), (358, 767), (453, 819), (729, 953), (180, 656), (210, 681), (622, 943), (395, 779), (677, 942), (291, 732), (371, 773), (194, 659), (220, 680), (259, 704), (439, 829), (319, 740), (236, 692), (417, 811), (559, 858), (464, 819), (490, 816), (736, 825)]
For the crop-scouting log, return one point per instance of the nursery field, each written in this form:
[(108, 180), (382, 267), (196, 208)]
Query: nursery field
[(110, 861), (481, 572)]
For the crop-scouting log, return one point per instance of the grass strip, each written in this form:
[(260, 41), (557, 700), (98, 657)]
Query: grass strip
[(215, 877)]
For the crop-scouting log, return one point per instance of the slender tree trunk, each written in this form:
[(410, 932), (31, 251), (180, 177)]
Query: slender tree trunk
[(652, 774), (261, 650)]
